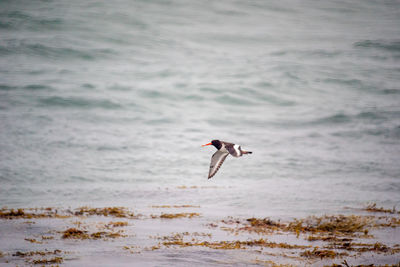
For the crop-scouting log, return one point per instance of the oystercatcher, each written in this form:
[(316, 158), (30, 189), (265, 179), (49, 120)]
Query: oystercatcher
[(224, 149)]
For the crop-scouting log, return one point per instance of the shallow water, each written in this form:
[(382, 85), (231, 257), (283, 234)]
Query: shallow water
[(179, 235), (107, 103)]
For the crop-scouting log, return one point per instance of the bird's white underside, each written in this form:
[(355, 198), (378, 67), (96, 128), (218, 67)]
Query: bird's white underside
[(216, 160)]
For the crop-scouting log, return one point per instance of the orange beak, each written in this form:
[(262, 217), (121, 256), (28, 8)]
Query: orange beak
[(207, 144)]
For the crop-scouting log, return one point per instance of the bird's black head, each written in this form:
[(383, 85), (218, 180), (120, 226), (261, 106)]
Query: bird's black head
[(217, 144)]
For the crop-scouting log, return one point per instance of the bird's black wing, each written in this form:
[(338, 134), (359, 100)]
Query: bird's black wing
[(216, 161), (231, 148)]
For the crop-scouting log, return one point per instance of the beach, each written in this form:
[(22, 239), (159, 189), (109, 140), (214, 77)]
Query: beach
[(180, 235)]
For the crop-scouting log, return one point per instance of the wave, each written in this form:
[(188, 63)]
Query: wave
[(333, 119), (154, 94), (194, 97), (19, 20), (317, 53), (5, 87), (231, 100), (78, 179), (360, 85), (211, 90), (159, 121), (369, 115), (387, 134), (388, 91), (265, 97), (21, 48), (75, 102), (37, 87), (392, 46), (365, 117), (350, 82)]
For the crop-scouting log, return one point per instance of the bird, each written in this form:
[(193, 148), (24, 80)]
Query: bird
[(224, 149)]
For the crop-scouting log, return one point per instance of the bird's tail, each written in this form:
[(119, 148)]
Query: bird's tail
[(247, 152)]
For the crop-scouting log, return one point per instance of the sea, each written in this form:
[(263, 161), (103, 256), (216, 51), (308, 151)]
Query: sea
[(107, 103)]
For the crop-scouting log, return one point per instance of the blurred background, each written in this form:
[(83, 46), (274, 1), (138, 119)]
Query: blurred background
[(107, 103)]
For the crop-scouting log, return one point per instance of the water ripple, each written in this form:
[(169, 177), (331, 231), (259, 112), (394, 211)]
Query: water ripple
[(78, 102), (386, 45)]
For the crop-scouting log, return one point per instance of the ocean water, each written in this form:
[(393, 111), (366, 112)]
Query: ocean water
[(107, 103)]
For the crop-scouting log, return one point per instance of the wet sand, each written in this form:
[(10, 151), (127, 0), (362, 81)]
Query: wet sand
[(181, 235)]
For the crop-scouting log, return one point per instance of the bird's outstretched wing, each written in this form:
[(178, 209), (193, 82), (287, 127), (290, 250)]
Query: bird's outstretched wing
[(216, 161)]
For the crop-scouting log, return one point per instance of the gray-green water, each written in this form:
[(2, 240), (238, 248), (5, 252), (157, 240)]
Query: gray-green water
[(106, 103)]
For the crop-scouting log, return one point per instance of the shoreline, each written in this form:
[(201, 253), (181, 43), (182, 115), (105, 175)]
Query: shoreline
[(181, 235)]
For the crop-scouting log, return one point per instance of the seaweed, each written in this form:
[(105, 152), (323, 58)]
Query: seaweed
[(373, 208), (321, 253), (231, 244), (390, 222), (155, 247), (12, 213), (364, 247), (335, 235), (34, 253), (348, 245), (345, 264), (29, 254), (132, 249), (22, 214), (259, 226), (73, 233), (177, 215), (116, 224), (329, 238), (180, 236), (271, 263), (339, 224), (266, 222), (118, 212), (33, 240), (48, 261)]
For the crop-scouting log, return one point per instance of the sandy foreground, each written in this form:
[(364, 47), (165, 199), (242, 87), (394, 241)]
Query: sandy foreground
[(180, 235)]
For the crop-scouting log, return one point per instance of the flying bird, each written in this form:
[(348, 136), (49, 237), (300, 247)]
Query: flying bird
[(224, 149)]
